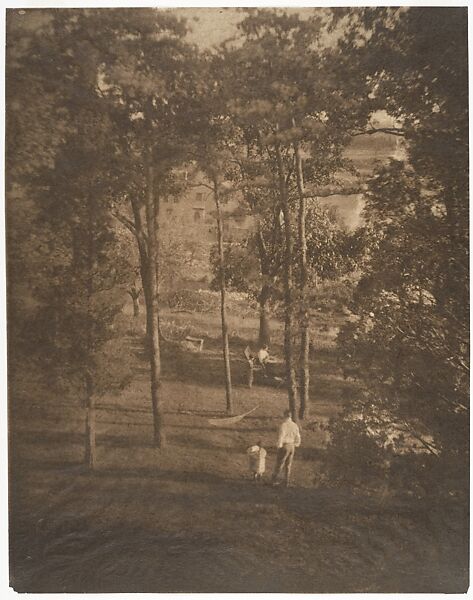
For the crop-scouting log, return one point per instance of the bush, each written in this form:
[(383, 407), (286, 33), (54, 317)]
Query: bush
[(375, 459), (354, 458), (333, 295), (114, 366), (208, 301), (193, 300)]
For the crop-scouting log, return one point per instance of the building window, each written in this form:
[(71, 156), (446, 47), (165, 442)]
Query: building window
[(169, 211), (199, 197), (176, 199)]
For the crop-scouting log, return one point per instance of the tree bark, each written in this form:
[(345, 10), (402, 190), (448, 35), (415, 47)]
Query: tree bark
[(223, 308), (152, 313), (304, 371), (288, 288), (142, 243), (90, 418), (135, 297), (90, 429), (149, 305), (136, 306), (264, 337)]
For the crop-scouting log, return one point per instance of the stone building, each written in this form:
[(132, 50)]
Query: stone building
[(190, 216)]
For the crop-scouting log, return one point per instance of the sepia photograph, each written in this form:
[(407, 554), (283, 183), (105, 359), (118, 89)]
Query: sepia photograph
[(237, 284)]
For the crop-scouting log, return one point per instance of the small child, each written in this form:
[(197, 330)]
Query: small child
[(257, 460)]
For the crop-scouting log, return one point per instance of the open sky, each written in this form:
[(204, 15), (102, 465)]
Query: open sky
[(210, 26), (213, 25)]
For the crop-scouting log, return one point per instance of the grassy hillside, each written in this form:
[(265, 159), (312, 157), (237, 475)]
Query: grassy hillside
[(189, 518)]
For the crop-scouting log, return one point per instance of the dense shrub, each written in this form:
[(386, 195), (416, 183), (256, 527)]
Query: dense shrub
[(208, 301)]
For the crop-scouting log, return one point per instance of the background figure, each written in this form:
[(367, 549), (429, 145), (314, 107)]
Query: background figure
[(289, 439), (262, 357), (257, 460)]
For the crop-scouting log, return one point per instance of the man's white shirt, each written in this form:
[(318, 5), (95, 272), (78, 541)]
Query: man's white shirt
[(289, 433)]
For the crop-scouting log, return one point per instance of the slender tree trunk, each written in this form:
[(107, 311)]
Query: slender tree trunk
[(157, 265), (304, 371), (264, 337), (90, 420), (223, 308), (136, 306), (288, 288), (144, 264), (135, 297), (153, 345), (149, 305)]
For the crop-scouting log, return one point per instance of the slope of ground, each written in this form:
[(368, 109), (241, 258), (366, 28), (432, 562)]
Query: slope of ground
[(188, 518)]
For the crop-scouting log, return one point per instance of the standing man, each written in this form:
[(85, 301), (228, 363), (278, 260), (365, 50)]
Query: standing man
[(289, 439)]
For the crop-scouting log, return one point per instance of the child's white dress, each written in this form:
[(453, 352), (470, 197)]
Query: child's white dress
[(257, 459)]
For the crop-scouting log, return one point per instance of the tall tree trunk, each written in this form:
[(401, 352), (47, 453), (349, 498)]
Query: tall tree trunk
[(264, 337), (288, 288), (135, 297), (304, 371), (90, 420), (149, 304), (136, 306), (223, 307), (153, 345), (143, 251), (157, 266)]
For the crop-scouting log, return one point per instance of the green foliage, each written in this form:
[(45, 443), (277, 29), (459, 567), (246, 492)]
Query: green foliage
[(409, 344), (180, 260), (206, 301), (333, 295), (241, 268), (95, 96), (332, 253), (361, 470)]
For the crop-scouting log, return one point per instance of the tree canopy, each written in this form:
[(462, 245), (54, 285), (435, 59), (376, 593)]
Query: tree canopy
[(106, 109)]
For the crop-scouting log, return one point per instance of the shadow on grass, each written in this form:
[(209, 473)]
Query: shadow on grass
[(33, 436), (195, 442), (164, 475), (112, 407), (64, 438), (229, 428), (204, 368), (115, 561), (47, 465)]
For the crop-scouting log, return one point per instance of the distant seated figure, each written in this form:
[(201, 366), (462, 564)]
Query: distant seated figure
[(263, 355), (257, 460)]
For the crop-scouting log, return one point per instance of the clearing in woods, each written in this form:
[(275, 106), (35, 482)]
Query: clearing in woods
[(189, 519)]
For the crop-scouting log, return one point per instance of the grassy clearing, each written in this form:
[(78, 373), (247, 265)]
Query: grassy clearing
[(189, 518)]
